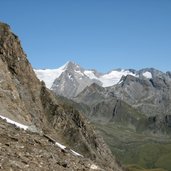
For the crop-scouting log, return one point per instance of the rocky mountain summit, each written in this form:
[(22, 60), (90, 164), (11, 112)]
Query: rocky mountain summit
[(26, 100), (72, 81)]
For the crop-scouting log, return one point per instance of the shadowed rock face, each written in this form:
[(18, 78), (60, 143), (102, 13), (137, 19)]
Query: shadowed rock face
[(25, 99), (135, 100), (19, 87), (105, 107), (150, 96)]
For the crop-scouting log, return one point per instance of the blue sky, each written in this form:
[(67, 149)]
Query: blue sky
[(100, 34)]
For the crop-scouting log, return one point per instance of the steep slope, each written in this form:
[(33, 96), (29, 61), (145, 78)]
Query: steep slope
[(150, 94), (25, 150), (25, 99), (19, 87), (105, 108)]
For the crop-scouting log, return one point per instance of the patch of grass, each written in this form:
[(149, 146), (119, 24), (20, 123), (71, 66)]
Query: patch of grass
[(164, 161), (138, 168), (145, 150)]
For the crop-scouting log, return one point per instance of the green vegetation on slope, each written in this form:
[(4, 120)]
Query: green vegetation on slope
[(129, 136), (138, 168), (146, 149)]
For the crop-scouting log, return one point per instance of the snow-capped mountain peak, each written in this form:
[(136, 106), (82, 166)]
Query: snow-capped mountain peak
[(49, 75), (70, 79)]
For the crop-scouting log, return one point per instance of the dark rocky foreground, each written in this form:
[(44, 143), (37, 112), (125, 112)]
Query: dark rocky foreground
[(24, 150)]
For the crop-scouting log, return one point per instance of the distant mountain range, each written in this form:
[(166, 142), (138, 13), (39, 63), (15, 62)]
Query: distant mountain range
[(70, 79), (130, 108)]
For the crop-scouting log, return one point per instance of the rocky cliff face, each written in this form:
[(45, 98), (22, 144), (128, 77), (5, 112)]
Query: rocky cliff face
[(104, 107), (150, 95), (25, 99), (19, 87)]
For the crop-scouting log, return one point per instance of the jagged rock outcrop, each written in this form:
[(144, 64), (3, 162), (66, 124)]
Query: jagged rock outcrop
[(150, 95), (19, 87), (25, 99)]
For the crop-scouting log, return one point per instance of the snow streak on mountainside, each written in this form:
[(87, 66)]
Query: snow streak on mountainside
[(19, 125)]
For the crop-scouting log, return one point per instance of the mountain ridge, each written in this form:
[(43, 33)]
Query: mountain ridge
[(55, 79)]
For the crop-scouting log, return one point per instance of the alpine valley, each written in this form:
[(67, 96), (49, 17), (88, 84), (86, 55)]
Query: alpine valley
[(131, 109)]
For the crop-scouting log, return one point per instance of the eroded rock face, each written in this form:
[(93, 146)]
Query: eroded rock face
[(149, 95), (76, 129), (19, 88), (25, 99)]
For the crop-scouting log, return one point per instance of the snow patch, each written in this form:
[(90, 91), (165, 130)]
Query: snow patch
[(79, 72), (64, 147), (90, 74), (60, 145), (76, 154), (114, 77), (147, 75), (109, 79), (49, 75), (94, 167), (14, 123)]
